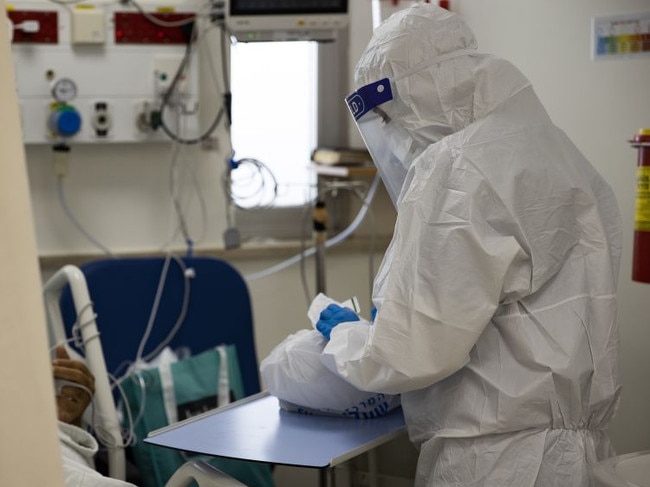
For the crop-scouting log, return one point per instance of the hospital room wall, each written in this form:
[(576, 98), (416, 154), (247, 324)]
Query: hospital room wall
[(120, 191)]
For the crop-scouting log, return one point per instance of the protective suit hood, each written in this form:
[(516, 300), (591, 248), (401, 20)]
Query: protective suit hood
[(441, 83)]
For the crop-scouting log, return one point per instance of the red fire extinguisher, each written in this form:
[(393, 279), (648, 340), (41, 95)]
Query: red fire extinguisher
[(641, 258)]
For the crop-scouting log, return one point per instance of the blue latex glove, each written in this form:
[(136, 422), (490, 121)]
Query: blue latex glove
[(332, 316), (373, 313)]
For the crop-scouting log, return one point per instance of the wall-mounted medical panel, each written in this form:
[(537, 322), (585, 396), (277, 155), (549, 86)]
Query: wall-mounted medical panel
[(100, 74)]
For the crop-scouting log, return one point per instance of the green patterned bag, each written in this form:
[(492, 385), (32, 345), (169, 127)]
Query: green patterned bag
[(169, 393)]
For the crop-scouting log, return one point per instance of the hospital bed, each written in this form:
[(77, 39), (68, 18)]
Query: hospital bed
[(121, 296)]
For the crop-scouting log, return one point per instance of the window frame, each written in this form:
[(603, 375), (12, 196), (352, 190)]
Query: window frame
[(332, 130)]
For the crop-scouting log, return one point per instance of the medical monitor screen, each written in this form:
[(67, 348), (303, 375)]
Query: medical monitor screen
[(287, 7), (286, 20)]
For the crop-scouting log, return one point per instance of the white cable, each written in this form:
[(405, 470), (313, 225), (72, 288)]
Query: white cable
[(130, 438), (76, 223), (197, 39), (189, 170), (173, 190), (213, 71), (202, 204), (182, 314), (156, 21), (179, 223), (259, 177), (173, 224), (77, 326), (143, 399), (128, 434), (154, 311), (356, 189), (329, 243), (154, 308)]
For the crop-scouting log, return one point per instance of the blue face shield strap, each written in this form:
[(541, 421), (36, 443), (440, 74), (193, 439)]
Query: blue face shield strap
[(368, 97)]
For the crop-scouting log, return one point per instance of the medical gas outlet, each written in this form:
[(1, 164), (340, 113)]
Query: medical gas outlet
[(64, 119)]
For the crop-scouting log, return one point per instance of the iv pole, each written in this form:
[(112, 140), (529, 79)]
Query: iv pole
[(319, 216)]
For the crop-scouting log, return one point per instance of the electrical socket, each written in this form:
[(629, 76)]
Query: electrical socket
[(101, 119)]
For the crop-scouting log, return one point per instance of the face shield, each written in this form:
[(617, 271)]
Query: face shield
[(391, 147)]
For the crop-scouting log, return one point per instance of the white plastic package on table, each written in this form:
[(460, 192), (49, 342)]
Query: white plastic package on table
[(294, 373)]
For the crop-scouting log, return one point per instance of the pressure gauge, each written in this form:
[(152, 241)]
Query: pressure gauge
[(64, 90)]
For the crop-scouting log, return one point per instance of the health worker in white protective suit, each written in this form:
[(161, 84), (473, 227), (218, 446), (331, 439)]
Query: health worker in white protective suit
[(496, 299)]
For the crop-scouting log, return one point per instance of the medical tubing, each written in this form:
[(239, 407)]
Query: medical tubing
[(128, 439), (77, 326), (159, 22), (181, 316), (176, 205), (373, 231), (75, 222), (329, 243), (167, 95), (154, 309), (104, 435), (202, 204), (64, 342), (143, 398), (258, 192), (175, 154), (131, 437), (91, 337), (154, 312)]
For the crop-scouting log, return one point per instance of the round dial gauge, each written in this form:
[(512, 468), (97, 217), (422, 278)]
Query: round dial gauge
[(64, 89)]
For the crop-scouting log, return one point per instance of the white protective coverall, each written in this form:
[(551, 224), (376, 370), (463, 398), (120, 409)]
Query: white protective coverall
[(78, 449), (496, 299)]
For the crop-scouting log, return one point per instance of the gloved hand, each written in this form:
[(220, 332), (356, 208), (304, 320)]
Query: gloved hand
[(332, 316), (373, 313)]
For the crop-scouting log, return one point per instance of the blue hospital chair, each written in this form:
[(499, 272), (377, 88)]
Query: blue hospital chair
[(123, 292), (209, 296)]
